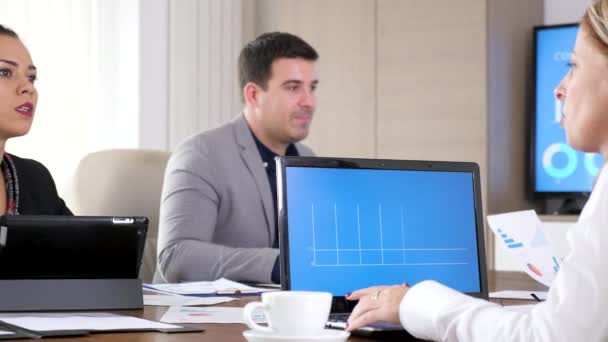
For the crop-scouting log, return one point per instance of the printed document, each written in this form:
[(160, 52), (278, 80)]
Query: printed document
[(526, 295), (521, 234), (217, 287), (91, 321), (177, 300), (177, 314)]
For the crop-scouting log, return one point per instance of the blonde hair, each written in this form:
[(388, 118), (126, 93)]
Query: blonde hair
[(595, 21)]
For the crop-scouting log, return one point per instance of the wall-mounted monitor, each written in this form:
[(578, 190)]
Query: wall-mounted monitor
[(557, 170)]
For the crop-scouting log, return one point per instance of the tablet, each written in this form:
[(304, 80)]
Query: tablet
[(71, 247)]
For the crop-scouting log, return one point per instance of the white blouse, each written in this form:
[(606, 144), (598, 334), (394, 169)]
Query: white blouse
[(576, 308)]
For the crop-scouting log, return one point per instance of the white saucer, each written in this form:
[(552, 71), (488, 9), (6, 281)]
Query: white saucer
[(328, 335)]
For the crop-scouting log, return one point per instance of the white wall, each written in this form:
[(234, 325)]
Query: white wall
[(88, 71), (204, 44), (564, 11), (103, 67), (154, 74)]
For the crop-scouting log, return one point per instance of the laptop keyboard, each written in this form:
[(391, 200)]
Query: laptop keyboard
[(339, 317), (338, 321)]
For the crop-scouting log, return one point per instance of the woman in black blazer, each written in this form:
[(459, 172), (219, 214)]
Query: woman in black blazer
[(28, 185)]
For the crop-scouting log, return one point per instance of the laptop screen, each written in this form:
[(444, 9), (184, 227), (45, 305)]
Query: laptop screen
[(369, 222)]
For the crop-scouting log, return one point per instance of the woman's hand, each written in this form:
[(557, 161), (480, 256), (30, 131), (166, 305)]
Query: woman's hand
[(376, 304)]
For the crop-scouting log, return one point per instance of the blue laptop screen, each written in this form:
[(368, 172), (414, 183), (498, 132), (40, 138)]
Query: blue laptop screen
[(354, 228)]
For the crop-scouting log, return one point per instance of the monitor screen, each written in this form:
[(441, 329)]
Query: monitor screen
[(556, 167), (354, 228)]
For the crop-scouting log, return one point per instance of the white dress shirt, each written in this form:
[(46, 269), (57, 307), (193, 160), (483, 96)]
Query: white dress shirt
[(576, 308)]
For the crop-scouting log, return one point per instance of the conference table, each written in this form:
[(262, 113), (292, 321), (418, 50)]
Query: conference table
[(497, 281)]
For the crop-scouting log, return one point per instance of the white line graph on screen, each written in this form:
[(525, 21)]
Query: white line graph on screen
[(375, 236)]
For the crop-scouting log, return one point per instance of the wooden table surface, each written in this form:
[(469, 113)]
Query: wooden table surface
[(233, 332)]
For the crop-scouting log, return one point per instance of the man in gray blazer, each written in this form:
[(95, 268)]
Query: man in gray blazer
[(218, 206)]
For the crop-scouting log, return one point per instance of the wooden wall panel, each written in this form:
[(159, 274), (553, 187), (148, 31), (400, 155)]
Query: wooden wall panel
[(431, 83), (431, 80), (411, 79), (510, 26)]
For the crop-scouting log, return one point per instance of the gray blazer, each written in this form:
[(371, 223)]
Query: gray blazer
[(216, 212)]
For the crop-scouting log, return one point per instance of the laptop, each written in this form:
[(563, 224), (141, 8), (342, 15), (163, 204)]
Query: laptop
[(347, 224), (71, 247)]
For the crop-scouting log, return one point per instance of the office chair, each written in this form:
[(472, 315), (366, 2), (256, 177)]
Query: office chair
[(122, 182)]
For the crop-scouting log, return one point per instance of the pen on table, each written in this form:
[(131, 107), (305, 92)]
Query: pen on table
[(535, 297)]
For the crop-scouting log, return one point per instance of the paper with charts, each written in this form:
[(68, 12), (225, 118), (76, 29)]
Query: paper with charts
[(522, 236)]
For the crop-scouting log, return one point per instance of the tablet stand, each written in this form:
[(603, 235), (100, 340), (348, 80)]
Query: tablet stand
[(70, 294)]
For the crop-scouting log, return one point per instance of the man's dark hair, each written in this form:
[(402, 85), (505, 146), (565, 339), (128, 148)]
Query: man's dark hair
[(255, 60), (5, 31)]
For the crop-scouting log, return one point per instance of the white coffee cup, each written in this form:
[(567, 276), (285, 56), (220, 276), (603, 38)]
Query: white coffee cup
[(291, 313)]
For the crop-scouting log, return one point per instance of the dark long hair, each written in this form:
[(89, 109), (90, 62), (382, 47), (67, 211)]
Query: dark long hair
[(5, 31)]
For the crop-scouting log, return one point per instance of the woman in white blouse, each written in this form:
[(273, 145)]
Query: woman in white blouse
[(576, 308)]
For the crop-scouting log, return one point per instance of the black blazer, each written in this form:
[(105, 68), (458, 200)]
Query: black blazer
[(37, 191)]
